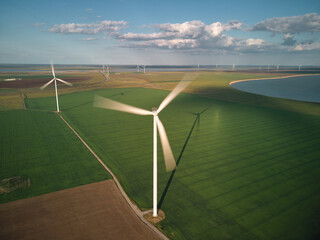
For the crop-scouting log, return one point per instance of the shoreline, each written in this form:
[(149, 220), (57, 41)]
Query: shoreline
[(256, 79)]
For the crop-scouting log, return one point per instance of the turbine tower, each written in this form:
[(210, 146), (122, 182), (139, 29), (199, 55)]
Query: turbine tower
[(144, 69), (278, 68), (233, 67), (170, 163), (299, 67), (55, 85), (138, 68)]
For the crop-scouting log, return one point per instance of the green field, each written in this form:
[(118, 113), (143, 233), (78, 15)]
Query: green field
[(247, 172), (39, 146)]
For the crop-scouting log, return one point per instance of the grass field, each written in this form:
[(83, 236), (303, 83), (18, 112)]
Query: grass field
[(38, 145), (247, 172)]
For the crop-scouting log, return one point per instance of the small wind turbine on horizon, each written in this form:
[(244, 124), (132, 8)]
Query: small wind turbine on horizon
[(55, 85), (170, 163), (299, 67), (233, 66), (105, 71), (278, 68)]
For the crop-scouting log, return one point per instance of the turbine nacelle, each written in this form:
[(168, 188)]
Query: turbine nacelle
[(155, 111)]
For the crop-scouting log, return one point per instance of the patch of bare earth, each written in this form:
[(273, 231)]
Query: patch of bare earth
[(93, 211), (150, 218), (14, 183)]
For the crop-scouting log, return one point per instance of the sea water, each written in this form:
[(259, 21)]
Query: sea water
[(302, 88)]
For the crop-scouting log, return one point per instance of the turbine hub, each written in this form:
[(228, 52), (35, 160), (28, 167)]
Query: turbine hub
[(154, 110)]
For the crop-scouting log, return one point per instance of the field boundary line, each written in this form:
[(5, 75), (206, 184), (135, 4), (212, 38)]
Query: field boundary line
[(134, 207), (256, 79)]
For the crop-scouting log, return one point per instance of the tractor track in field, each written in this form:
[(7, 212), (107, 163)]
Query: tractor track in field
[(134, 207)]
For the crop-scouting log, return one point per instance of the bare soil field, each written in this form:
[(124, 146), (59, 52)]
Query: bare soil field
[(93, 211)]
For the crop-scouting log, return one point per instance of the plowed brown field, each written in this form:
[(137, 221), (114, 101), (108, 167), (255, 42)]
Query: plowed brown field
[(93, 211)]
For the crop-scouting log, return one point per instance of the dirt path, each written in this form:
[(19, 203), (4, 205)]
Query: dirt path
[(94, 211), (134, 207)]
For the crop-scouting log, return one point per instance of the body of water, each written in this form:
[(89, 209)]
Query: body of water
[(302, 88)]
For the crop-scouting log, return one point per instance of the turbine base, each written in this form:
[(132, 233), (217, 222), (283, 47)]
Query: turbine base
[(150, 218)]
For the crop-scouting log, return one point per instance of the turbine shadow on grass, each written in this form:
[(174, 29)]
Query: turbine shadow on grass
[(179, 159), (91, 102)]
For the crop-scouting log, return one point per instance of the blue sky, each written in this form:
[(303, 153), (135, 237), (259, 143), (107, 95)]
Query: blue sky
[(160, 32)]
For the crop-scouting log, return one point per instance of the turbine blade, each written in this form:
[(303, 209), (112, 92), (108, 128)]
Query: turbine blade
[(167, 152), (52, 68), (47, 84), (65, 82), (181, 85), (102, 102)]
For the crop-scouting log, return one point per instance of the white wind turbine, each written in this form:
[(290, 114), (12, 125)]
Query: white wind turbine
[(170, 163), (55, 85)]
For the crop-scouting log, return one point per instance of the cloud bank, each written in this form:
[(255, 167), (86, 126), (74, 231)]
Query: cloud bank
[(91, 28), (295, 24), (206, 38)]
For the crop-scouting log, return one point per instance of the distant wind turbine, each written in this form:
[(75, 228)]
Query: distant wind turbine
[(278, 68), (233, 66), (299, 67), (55, 85), (157, 125), (138, 68)]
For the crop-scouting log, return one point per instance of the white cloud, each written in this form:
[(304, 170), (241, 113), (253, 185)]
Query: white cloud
[(90, 28), (39, 24), (187, 35), (307, 46), (295, 24), (89, 39), (163, 43), (254, 42)]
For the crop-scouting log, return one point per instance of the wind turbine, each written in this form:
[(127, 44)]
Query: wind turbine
[(138, 68), (170, 163), (278, 68), (55, 85), (299, 67), (233, 67), (144, 69)]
